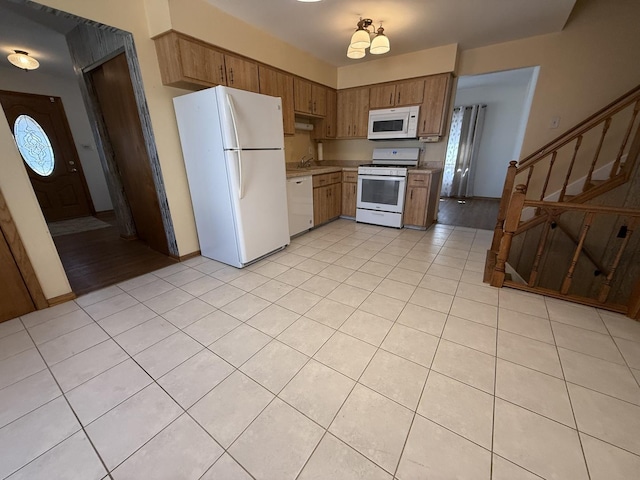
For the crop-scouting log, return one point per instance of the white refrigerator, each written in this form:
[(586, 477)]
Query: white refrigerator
[(233, 147)]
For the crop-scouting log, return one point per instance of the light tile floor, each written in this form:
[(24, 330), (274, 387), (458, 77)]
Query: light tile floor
[(357, 353)]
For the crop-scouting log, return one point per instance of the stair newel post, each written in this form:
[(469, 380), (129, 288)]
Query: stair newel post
[(511, 223), (509, 181), (576, 254), (605, 128), (606, 285), (616, 163)]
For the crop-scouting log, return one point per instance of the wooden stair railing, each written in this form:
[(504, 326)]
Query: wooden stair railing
[(551, 211), (627, 104)]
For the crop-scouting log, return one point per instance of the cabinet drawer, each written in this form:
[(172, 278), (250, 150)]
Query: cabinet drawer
[(419, 180), (350, 177), (326, 179)]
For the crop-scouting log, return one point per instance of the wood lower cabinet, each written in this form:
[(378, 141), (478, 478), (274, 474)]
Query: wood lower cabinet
[(327, 197), (279, 84), (421, 199), (353, 113), (349, 193)]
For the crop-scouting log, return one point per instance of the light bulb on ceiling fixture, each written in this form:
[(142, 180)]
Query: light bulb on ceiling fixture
[(362, 37), (21, 59), (380, 44), (361, 40), (355, 53)]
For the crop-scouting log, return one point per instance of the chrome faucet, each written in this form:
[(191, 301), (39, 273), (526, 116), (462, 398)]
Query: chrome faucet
[(305, 161)]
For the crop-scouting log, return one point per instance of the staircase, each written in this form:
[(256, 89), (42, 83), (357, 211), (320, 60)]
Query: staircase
[(577, 242)]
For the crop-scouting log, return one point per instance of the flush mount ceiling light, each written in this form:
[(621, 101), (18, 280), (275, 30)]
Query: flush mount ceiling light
[(21, 59), (361, 40)]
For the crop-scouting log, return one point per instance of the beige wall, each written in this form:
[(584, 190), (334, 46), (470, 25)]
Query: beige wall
[(387, 69), (584, 67), (201, 20)]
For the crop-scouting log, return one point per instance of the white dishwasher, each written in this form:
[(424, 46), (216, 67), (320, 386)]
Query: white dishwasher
[(300, 204)]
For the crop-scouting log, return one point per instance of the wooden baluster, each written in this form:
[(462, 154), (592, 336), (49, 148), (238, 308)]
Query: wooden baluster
[(605, 128), (573, 160), (546, 180), (541, 244), (511, 223), (606, 285), (509, 180), (529, 177), (616, 164), (576, 255)]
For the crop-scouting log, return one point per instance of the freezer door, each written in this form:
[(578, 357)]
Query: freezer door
[(259, 196), (250, 120)]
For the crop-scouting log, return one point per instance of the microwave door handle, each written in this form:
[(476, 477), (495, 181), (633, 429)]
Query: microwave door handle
[(232, 109)]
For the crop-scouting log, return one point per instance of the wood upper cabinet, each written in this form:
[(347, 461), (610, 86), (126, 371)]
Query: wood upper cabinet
[(241, 73), (421, 199), (326, 128), (187, 63), (349, 193), (353, 113), (309, 98), (397, 94), (279, 84), (433, 111)]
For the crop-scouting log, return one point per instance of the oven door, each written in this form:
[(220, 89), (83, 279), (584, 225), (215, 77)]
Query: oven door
[(381, 193)]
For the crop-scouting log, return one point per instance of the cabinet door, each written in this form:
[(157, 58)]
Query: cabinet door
[(346, 106), (382, 96), (320, 202), (330, 119), (201, 63), (415, 206), (242, 74), (433, 113), (302, 96), (279, 84), (318, 100), (349, 194), (361, 113), (410, 93), (335, 200)]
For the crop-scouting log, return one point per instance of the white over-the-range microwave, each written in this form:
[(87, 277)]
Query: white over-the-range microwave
[(393, 123)]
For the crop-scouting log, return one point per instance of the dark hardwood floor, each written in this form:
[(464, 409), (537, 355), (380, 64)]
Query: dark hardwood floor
[(473, 213), (98, 258)]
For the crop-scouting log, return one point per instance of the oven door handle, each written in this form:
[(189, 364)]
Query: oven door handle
[(380, 177)]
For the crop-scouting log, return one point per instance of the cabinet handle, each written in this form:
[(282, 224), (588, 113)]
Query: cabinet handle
[(231, 71), (354, 130), (314, 106), (411, 197), (391, 99), (221, 74), (354, 189), (349, 130), (399, 97)]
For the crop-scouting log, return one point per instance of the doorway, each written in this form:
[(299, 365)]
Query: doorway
[(507, 95), (42, 134)]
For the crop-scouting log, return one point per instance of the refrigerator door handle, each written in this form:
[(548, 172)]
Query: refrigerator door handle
[(232, 109)]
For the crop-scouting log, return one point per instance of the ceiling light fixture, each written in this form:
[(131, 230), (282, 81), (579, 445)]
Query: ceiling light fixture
[(21, 59), (361, 40)]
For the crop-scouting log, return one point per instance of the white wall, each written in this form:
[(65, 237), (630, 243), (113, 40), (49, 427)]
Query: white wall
[(66, 88), (506, 111)]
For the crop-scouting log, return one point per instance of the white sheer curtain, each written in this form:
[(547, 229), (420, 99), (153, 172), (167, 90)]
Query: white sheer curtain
[(462, 150)]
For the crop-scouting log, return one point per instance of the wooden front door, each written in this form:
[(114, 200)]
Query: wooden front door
[(114, 91), (43, 136)]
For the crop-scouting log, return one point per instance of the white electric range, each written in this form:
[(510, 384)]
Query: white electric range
[(382, 185)]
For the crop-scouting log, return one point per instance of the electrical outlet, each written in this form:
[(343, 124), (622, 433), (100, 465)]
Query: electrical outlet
[(555, 122)]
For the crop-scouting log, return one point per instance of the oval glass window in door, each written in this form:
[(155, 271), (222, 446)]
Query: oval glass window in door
[(34, 145)]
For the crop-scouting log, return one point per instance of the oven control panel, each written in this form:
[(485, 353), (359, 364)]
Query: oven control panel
[(386, 171)]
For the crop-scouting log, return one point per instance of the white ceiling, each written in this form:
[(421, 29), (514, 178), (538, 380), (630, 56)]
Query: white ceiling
[(324, 28)]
